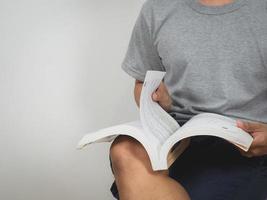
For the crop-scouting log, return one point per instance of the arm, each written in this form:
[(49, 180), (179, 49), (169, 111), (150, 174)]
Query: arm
[(137, 91), (161, 95)]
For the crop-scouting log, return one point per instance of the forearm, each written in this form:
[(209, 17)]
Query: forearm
[(137, 91)]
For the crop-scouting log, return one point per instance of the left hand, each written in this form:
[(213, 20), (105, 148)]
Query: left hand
[(259, 133)]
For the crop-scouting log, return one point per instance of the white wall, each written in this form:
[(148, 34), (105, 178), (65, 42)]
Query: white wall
[(60, 78)]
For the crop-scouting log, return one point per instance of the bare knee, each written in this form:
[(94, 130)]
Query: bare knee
[(125, 152)]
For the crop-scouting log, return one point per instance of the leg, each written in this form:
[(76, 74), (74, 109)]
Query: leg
[(212, 169), (134, 176)]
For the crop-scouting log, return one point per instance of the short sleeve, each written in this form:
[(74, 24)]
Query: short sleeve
[(142, 54)]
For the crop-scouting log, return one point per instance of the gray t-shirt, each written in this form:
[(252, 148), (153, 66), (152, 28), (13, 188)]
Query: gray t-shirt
[(215, 56)]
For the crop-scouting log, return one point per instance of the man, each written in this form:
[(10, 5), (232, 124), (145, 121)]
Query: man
[(214, 53)]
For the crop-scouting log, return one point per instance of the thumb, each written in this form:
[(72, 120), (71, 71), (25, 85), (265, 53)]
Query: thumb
[(248, 126), (155, 96)]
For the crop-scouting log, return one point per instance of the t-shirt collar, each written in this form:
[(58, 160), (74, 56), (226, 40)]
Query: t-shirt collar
[(215, 10)]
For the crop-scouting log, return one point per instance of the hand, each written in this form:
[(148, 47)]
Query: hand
[(259, 133), (161, 95)]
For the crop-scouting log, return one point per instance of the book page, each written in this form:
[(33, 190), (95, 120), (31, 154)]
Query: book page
[(154, 118), (133, 129), (209, 124), (222, 126), (153, 128), (110, 133)]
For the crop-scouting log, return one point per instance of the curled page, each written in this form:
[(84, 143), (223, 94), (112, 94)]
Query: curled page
[(154, 118), (209, 124)]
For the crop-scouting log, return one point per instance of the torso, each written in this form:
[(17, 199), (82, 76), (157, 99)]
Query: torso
[(215, 57)]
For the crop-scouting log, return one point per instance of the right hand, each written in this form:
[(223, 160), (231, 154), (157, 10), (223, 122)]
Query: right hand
[(161, 96)]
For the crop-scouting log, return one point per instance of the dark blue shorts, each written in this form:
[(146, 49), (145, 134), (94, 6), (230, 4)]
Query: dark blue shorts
[(213, 169)]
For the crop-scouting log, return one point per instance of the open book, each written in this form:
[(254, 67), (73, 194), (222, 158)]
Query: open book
[(159, 132)]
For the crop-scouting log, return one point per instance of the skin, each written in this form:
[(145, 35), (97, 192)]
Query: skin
[(132, 169), (161, 95), (215, 2), (257, 130), (259, 133), (134, 176)]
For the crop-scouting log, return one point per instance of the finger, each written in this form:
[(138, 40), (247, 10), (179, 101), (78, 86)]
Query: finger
[(166, 107), (161, 87), (256, 143), (248, 126), (164, 92), (155, 96), (167, 97), (160, 95), (163, 101), (255, 147), (156, 93), (258, 151), (248, 155), (243, 153), (259, 140), (262, 151)]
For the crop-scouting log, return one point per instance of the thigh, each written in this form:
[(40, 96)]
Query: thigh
[(212, 169), (128, 157), (128, 154), (128, 142)]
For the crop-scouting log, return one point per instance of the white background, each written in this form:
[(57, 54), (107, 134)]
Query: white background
[(60, 78)]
